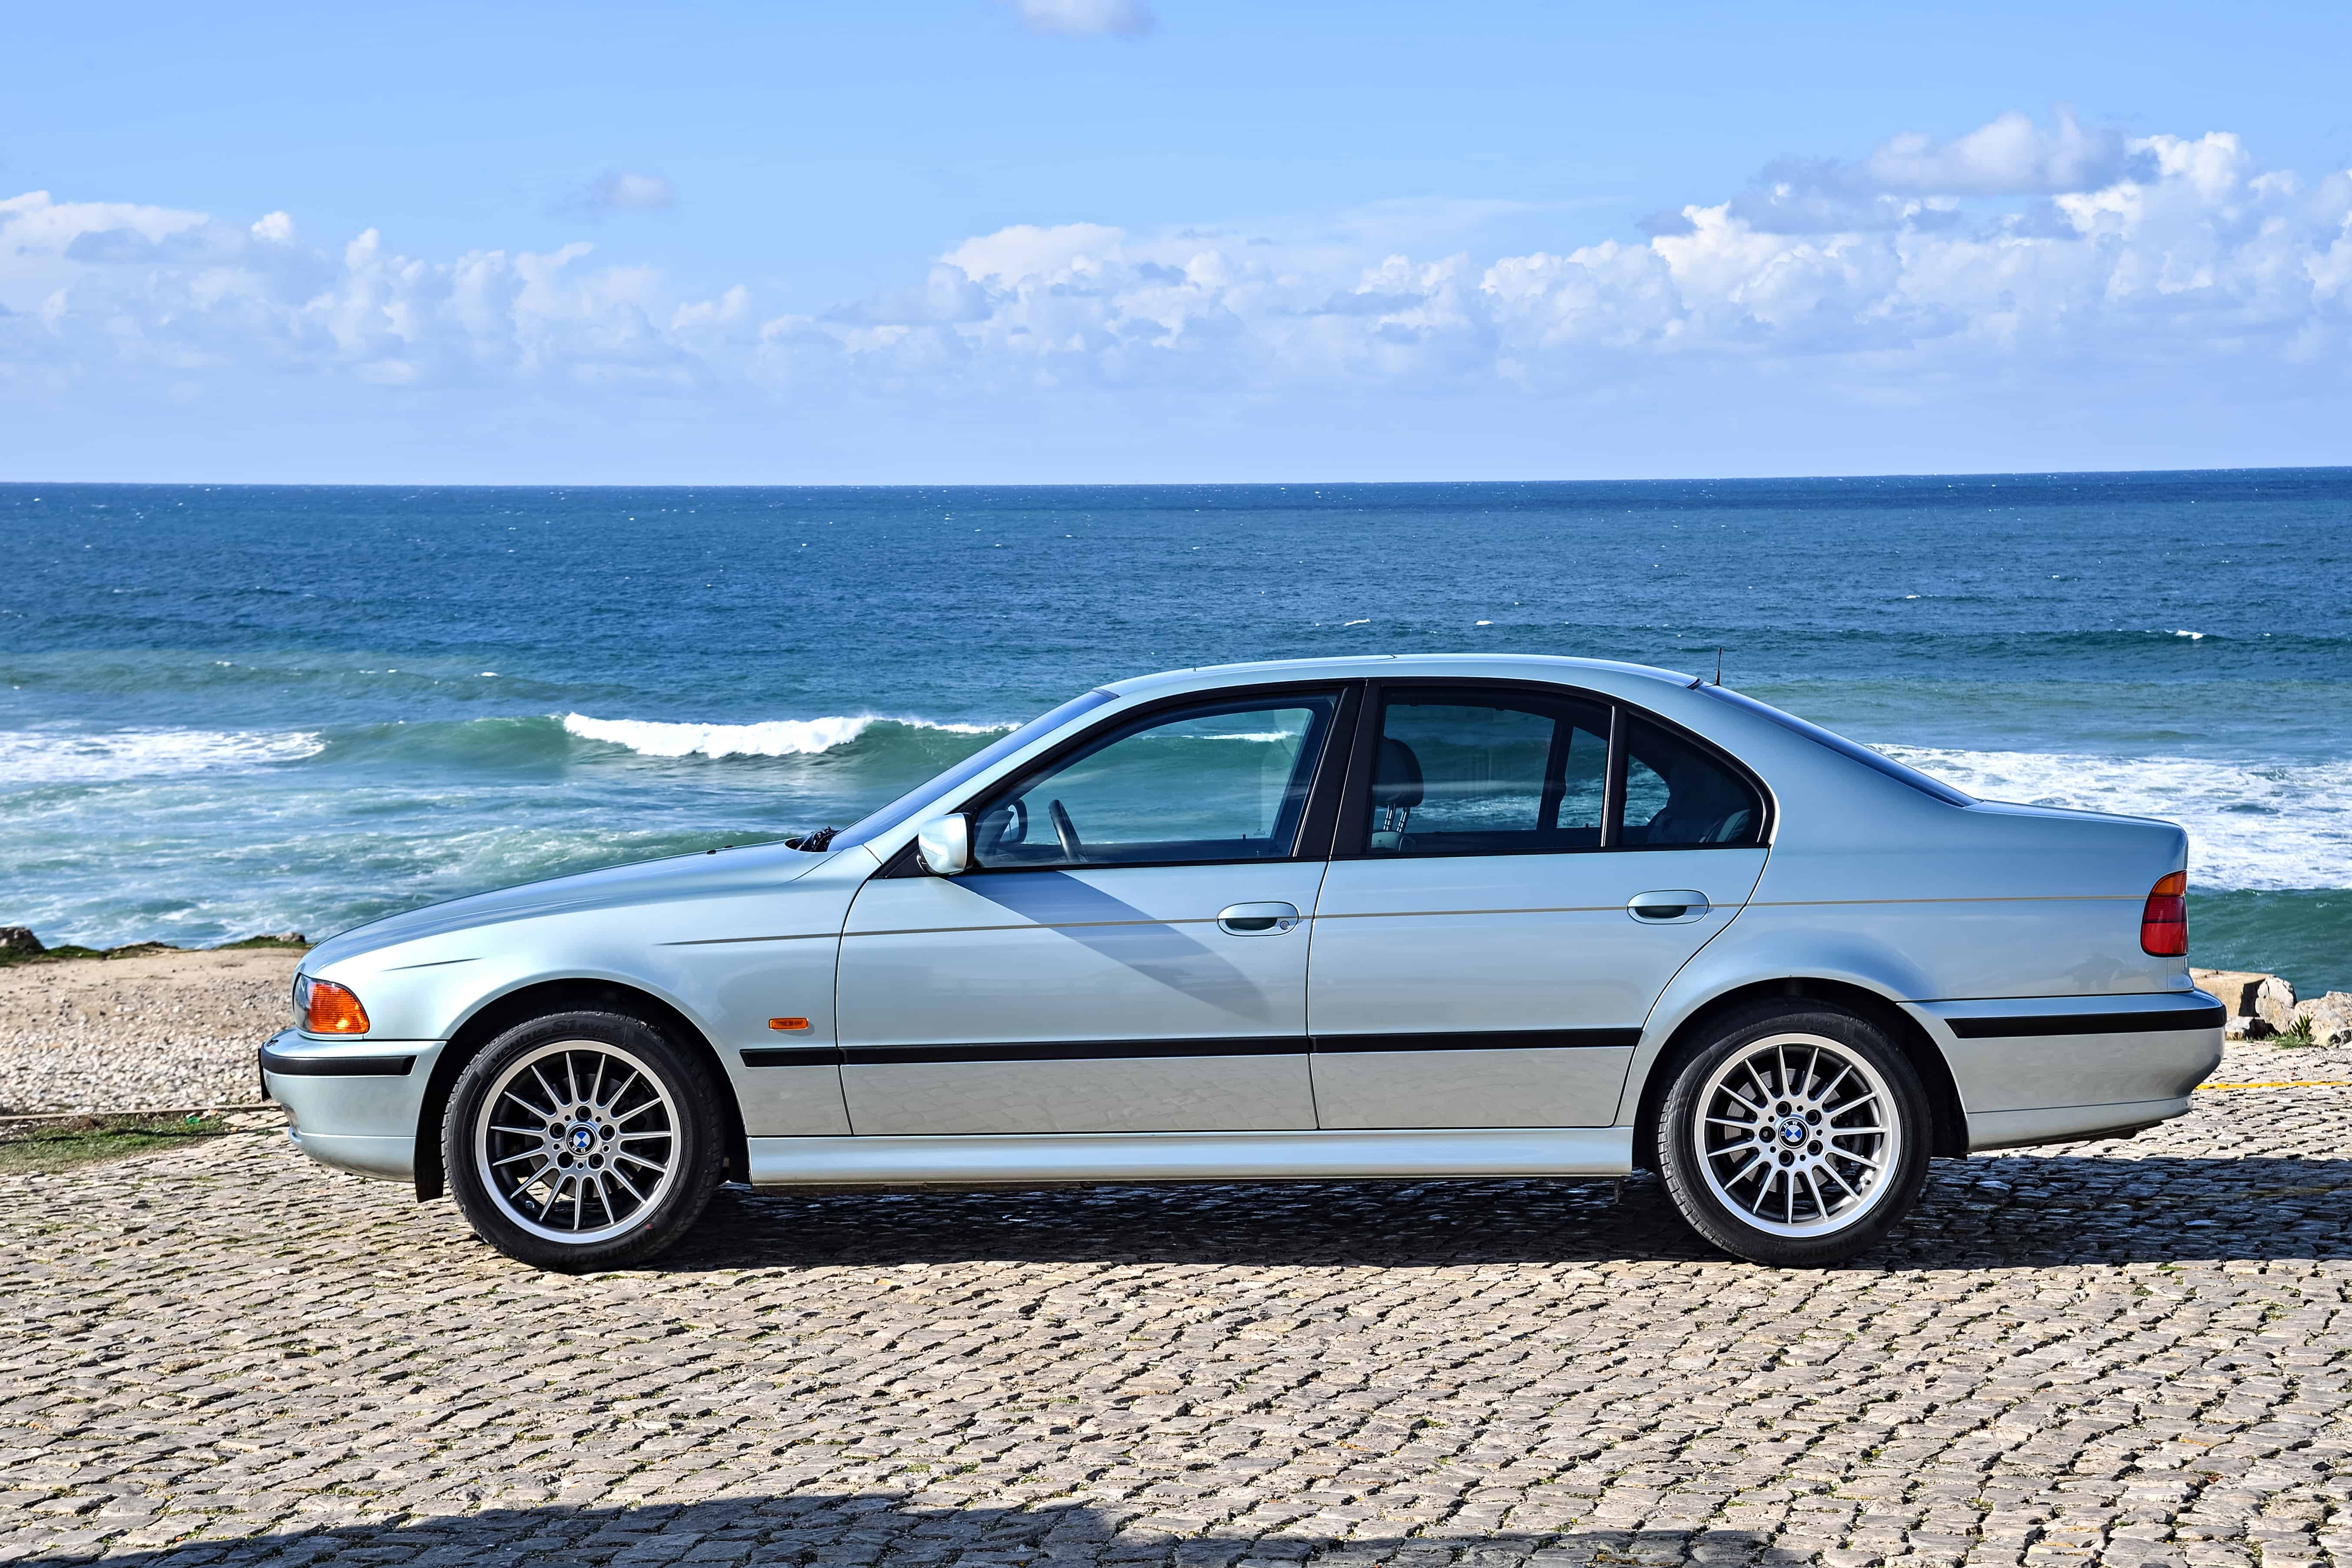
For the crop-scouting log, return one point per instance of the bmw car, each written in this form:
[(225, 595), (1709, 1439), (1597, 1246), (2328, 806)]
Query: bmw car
[(1330, 920)]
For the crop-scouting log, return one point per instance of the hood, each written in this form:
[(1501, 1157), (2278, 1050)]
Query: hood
[(717, 871)]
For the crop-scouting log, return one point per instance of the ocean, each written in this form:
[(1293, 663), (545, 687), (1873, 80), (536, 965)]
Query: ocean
[(229, 710)]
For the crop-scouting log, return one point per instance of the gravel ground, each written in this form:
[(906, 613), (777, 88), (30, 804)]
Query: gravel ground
[(2112, 1354), (159, 1032)]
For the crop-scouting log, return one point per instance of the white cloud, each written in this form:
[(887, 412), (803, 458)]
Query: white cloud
[(1086, 18), (2190, 261), (2010, 156), (621, 191)]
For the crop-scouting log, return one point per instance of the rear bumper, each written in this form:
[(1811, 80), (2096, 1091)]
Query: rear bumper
[(2055, 1070), (353, 1104)]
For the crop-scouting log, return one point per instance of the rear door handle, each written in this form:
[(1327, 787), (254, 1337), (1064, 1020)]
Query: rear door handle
[(1257, 919), (1668, 908)]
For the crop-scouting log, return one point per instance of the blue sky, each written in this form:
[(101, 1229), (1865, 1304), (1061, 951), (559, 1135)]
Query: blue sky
[(1097, 240)]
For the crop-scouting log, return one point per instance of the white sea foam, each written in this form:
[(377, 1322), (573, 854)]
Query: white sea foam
[(770, 738), (51, 756), (2251, 824)]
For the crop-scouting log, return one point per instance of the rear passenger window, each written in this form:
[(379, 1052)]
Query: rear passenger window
[(1676, 794), (1460, 773)]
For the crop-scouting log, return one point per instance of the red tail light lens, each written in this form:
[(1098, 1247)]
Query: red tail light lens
[(2163, 919)]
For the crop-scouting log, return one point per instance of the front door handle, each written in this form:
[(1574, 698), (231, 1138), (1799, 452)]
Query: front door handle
[(1257, 919), (1668, 908)]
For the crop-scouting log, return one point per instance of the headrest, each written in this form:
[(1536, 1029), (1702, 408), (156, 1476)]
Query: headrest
[(1396, 781)]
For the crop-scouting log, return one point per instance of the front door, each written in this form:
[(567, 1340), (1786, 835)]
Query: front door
[(1129, 953), (1501, 917)]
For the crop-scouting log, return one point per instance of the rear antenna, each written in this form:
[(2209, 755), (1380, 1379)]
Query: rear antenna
[(1718, 665)]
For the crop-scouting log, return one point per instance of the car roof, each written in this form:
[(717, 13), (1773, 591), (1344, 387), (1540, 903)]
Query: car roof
[(1489, 665)]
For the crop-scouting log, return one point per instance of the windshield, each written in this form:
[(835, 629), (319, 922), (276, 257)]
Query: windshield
[(878, 823), (1923, 782)]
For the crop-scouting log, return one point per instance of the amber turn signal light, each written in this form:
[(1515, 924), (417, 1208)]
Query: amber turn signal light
[(2163, 919), (331, 1009), (788, 1025)]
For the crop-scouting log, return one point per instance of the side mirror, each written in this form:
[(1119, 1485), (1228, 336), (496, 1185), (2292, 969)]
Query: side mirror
[(945, 845)]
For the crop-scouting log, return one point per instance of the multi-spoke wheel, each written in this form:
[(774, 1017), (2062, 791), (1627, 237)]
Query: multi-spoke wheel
[(1797, 1136), (581, 1141)]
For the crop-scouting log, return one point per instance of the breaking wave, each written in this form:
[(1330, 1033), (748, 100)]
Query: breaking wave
[(48, 756), (769, 738)]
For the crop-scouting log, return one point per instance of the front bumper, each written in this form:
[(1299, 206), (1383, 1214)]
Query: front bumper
[(353, 1104), (2058, 1069)]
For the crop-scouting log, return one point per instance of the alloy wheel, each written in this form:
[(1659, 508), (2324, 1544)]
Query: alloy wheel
[(577, 1141), (1797, 1135)]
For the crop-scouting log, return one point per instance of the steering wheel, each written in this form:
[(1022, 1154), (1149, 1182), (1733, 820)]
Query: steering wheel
[(1065, 831)]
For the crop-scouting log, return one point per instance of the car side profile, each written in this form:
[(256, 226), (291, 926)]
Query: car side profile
[(1412, 917)]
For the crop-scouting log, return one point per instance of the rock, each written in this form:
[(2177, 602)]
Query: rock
[(2330, 1019), (18, 941), (2236, 988), (2274, 1005), (2244, 1026)]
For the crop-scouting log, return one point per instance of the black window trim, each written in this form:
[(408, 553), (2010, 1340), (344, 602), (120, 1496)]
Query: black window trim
[(1356, 798), (1311, 841)]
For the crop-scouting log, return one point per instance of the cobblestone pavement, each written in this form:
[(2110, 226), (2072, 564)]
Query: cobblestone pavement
[(2116, 1353)]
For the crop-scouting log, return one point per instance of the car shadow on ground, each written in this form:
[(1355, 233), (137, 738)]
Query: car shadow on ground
[(2014, 1212), (877, 1528)]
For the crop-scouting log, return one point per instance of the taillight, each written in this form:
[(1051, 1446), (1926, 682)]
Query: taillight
[(2163, 919), (327, 1008)]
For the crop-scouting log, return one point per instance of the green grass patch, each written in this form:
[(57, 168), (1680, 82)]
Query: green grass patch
[(70, 1141)]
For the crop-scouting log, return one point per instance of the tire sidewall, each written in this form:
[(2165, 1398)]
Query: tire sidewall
[(1680, 1161), (684, 1075)]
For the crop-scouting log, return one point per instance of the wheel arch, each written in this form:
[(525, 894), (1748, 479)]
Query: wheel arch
[(496, 1016), (1950, 1128)]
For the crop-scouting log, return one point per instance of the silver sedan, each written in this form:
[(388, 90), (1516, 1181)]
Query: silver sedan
[(1332, 919)]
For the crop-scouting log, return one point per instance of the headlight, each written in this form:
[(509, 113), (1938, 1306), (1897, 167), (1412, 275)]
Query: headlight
[(323, 1007)]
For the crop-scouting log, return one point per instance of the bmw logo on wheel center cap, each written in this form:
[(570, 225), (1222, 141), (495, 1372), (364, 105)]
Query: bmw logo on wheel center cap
[(1793, 1129), (582, 1139)]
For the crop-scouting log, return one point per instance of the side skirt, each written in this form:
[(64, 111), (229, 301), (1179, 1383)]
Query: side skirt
[(1337, 1155)]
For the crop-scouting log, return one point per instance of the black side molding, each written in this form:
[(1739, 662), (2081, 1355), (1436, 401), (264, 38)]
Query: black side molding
[(334, 1067), (2147, 1022), (1484, 1040), (1025, 1052), (1140, 1050)]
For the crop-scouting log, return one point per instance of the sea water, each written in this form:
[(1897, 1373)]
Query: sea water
[(231, 709)]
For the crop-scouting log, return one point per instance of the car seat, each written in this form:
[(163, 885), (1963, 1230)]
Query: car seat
[(1396, 790)]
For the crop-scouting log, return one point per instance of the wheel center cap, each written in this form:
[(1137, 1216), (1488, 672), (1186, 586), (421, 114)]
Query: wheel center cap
[(582, 1139), (1793, 1129)]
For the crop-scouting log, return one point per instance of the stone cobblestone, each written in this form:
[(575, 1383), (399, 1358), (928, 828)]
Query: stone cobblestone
[(2113, 1353)]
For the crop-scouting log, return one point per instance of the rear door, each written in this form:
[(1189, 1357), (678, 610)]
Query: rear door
[(1511, 893), (1130, 953)]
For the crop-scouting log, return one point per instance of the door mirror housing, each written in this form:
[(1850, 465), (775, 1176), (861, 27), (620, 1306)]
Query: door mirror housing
[(944, 845)]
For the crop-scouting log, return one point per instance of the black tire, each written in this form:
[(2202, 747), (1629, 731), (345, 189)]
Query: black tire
[(1784, 1205), (639, 1161)]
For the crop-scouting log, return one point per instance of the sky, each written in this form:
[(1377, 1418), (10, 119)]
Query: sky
[(1106, 240)]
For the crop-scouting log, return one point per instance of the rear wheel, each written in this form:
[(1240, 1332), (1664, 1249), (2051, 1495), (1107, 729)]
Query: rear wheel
[(1797, 1136), (581, 1141)]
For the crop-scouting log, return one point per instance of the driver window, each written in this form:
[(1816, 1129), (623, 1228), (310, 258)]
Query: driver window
[(1218, 782)]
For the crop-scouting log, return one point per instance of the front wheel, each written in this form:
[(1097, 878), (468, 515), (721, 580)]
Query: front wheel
[(581, 1141), (1797, 1137)]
